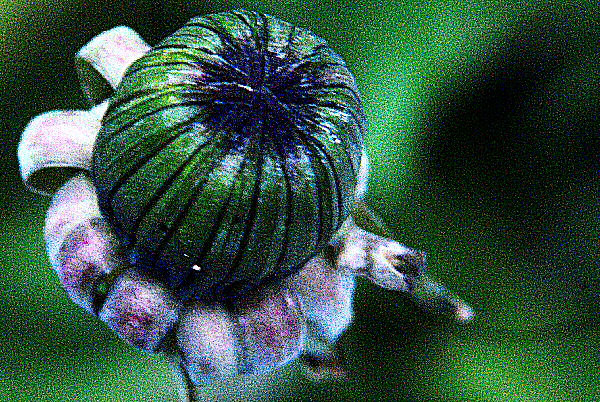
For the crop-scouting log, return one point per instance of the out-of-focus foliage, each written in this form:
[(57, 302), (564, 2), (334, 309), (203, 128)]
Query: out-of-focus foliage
[(485, 146)]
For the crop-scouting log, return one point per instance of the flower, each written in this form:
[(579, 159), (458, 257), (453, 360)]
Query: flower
[(299, 317)]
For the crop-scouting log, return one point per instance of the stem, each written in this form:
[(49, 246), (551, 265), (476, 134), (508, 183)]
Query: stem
[(434, 296), (172, 352), (190, 394)]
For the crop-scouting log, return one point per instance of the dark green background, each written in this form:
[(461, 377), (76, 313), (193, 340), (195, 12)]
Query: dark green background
[(484, 139)]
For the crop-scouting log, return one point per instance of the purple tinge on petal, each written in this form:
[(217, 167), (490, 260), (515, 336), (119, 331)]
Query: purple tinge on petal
[(272, 330), (73, 205), (326, 296), (140, 310), (208, 343), (87, 256)]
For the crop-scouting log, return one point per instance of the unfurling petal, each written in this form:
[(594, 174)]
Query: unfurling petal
[(82, 248), (102, 62), (140, 310), (56, 146), (385, 262), (325, 294), (394, 266), (272, 329), (208, 343)]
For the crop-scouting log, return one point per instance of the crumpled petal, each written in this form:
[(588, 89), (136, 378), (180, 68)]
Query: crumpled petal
[(102, 62), (58, 145), (140, 309), (208, 343), (81, 246)]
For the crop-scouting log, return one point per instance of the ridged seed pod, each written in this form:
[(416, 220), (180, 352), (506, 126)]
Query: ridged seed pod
[(229, 153)]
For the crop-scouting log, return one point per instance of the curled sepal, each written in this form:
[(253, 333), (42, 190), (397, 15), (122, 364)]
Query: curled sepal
[(57, 145), (385, 262), (140, 310), (363, 178), (102, 62), (434, 296), (272, 329), (208, 343), (325, 294)]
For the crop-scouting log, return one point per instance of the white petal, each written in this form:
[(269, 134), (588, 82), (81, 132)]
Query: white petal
[(326, 295), (58, 145), (102, 62), (73, 205)]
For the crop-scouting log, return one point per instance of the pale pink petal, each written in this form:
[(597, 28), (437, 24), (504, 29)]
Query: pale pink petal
[(208, 343), (102, 62), (140, 310), (272, 329), (58, 145)]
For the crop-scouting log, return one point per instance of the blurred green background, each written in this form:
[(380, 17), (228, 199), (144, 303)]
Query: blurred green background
[(485, 145)]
